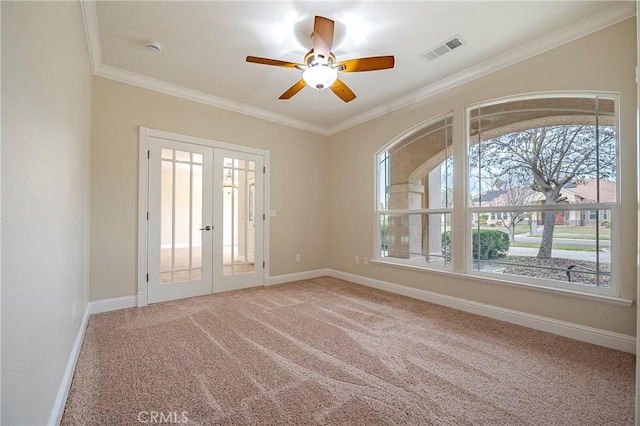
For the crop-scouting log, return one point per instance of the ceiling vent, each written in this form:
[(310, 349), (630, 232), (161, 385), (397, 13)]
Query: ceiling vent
[(442, 48)]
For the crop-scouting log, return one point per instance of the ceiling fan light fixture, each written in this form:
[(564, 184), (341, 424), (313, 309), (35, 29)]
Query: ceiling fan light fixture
[(320, 66), (320, 76)]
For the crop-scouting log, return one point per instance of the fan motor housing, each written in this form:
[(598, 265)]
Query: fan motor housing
[(310, 59)]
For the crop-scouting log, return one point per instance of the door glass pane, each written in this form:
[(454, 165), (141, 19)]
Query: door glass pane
[(166, 228), (240, 234), (183, 156), (181, 217), (167, 153), (196, 217), (181, 276), (238, 217)]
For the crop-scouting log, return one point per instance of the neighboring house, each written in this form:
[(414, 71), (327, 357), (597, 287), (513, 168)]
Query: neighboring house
[(577, 192), (585, 192)]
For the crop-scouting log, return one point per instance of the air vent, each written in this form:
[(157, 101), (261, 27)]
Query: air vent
[(442, 48)]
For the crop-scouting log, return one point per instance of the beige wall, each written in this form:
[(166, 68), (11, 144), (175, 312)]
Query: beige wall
[(321, 184), (603, 61), (46, 120), (299, 180)]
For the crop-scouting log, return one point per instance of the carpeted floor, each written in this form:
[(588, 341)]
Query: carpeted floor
[(325, 351)]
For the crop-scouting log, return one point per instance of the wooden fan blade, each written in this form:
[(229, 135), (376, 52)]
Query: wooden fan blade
[(293, 90), (372, 63), (267, 61), (343, 91), (322, 36)]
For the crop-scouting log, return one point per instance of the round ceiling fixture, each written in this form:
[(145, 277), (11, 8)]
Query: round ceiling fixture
[(320, 76), (153, 46)]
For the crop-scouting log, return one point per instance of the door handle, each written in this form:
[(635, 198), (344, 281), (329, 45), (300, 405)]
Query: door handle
[(206, 228)]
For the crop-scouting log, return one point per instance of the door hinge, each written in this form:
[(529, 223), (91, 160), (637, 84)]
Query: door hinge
[(147, 277), (148, 154), (264, 217), (264, 264), (147, 215), (264, 169)]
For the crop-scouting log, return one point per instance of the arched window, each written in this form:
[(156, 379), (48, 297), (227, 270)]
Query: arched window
[(415, 182), (547, 166), (539, 199)]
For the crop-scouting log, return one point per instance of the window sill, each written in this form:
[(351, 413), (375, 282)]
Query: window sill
[(613, 300)]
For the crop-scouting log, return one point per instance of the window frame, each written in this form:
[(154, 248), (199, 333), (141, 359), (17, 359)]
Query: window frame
[(614, 289), (379, 213), (461, 211)]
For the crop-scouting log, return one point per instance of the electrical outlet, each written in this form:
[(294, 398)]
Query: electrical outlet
[(298, 258), (365, 261), (73, 313), (357, 260)]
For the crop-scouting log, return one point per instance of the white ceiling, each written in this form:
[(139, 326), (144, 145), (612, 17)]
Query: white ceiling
[(204, 45)]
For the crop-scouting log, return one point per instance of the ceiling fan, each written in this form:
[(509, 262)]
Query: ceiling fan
[(320, 66)]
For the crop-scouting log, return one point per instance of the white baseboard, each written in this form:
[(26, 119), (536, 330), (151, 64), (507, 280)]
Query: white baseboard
[(63, 391), (609, 339), (306, 275), (106, 305)]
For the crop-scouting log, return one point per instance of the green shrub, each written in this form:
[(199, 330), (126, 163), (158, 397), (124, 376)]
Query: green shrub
[(383, 234), (487, 244), (446, 245)]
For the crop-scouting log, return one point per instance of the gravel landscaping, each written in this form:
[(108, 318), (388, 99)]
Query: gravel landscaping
[(550, 269)]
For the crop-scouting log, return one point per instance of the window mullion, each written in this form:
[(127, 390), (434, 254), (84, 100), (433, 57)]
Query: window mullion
[(460, 166)]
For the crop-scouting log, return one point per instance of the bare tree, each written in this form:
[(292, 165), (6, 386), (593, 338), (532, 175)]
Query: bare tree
[(552, 158), (515, 187)]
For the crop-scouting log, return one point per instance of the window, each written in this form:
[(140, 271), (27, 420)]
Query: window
[(541, 198), (544, 162), (415, 184)]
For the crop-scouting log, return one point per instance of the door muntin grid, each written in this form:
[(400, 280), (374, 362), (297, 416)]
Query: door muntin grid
[(238, 217), (181, 216)]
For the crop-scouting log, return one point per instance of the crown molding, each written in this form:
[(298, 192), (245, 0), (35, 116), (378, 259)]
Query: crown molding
[(145, 82), (597, 22), (90, 18), (606, 18)]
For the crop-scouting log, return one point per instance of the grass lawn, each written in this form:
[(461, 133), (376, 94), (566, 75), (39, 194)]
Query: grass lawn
[(555, 246), (560, 231), (587, 230), (603, 237)]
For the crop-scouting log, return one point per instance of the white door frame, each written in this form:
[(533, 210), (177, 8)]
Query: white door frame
[(637, 411), (143, 197)]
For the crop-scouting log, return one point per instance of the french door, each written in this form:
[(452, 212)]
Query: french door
[(205, 221), (239, 220)]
